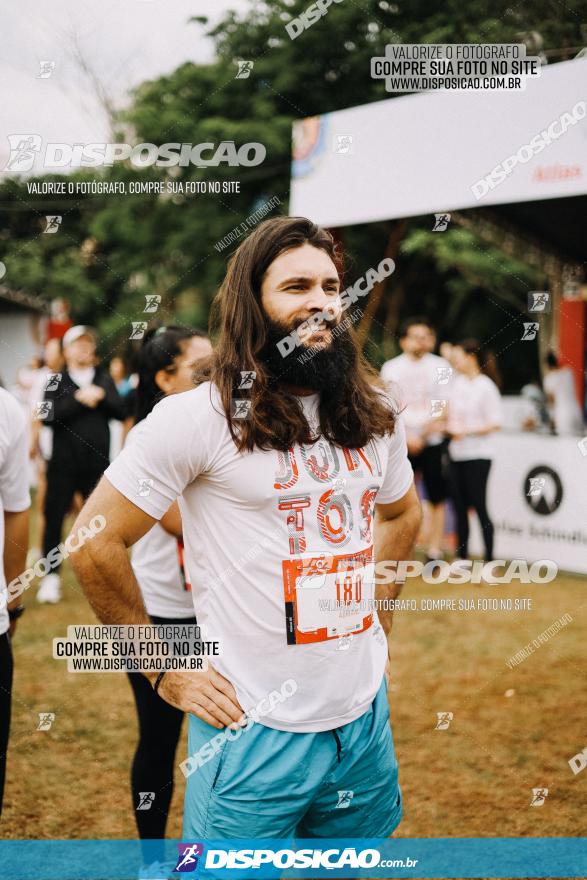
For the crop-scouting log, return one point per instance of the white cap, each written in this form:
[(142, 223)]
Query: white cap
[(76, 332)]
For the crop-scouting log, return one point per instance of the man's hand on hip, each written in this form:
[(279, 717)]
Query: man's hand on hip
[(208, 695)]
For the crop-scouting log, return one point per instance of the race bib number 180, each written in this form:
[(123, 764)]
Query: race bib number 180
[(327, 596)]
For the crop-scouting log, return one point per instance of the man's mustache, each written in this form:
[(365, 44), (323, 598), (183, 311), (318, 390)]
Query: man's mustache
[(307, 325)]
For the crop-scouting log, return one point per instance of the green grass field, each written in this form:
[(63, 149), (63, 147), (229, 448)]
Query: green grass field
[(512, 730)]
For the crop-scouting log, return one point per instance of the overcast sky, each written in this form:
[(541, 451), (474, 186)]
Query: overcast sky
[(124, 41)]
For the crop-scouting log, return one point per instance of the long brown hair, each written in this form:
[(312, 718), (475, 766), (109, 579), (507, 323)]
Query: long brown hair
[(484, 357), (349, 416)]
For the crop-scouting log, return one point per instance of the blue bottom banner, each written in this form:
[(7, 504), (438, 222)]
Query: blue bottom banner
[(547, 857)]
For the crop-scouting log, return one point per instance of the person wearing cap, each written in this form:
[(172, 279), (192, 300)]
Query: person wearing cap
[(77, 406)]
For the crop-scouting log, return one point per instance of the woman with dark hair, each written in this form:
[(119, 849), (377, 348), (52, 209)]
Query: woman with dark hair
[(166, 365), (474, 413)]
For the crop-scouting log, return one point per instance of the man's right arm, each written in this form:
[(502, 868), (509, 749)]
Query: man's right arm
[(102, 564), (103, 568)]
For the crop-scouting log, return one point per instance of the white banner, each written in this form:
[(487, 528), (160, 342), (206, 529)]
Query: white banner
[(426, 153), (537, 500)]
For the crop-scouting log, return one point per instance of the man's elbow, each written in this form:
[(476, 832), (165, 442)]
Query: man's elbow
[(81, 558), (86, 545)]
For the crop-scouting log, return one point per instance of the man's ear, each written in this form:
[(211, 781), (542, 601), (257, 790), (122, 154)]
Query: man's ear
[(164, 381)]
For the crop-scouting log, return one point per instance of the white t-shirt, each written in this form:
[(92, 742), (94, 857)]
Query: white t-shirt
[(14, 486), (418, 383), (22, 397), (155, 562), (473, 404), (566, 412), (38, 387), (269, 538), (83, 377)]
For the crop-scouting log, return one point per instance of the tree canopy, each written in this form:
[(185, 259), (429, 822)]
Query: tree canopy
[(112, 250)]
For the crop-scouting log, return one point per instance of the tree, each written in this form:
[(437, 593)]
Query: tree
[(112, 250)]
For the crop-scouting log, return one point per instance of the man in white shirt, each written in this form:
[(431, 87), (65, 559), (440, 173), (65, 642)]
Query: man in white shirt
[(14, 525), (279, 508), (422, 381)]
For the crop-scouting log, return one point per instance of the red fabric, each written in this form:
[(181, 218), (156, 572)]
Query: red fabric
[(573, 340)]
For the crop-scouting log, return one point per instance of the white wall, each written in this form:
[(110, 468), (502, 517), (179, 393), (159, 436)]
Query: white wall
[(17, 343)]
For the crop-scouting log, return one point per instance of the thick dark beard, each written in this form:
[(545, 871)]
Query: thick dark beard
[(318, 369)]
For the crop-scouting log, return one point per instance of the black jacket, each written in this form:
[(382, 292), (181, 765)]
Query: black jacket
[(81, 436)]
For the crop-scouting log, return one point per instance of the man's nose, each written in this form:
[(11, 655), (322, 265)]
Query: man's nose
[(317, 298)]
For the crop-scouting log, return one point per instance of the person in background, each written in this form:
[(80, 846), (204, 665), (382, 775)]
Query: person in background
[(78, 408), (21, 391), (41, 435), (474, 414), (119, 376), (14, 536), (167, 361), (445, 350), (421, 378), (533, 413), (125, 387), (128, 389), (559, 385)]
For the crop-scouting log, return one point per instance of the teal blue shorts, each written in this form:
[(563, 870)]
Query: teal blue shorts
[(273, 783)]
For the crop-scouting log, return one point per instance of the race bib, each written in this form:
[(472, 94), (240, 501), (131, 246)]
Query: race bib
[(327, 596)]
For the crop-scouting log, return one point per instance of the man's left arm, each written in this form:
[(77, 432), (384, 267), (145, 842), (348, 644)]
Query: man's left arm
[(396, 528)]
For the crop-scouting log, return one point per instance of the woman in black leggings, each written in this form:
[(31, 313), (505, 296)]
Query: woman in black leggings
[(153, 763), (167, 361), (474, 414), (6, 667)]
